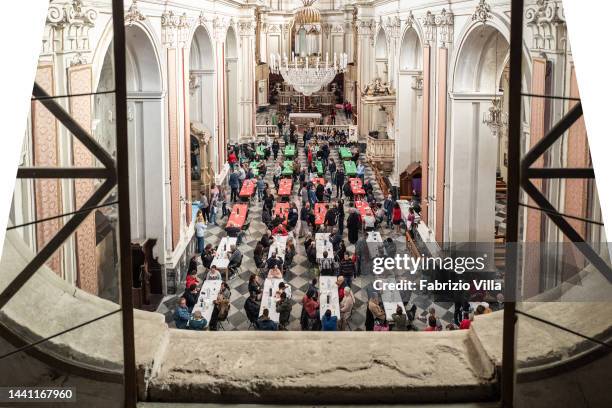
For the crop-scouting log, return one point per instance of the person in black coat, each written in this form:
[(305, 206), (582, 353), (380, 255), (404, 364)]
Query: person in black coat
[(340, 212), (251, 308), (353, 223), (191, 295), (339, 181)]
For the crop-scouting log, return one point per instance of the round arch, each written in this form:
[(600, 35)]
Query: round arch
[(381, 56), (202, 103)]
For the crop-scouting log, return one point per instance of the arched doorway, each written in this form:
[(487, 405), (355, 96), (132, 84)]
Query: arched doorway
[(410, 101), (202, 103), (474, 151), (231, 86)]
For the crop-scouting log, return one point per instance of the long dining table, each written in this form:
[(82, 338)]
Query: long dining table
[(284, 187), (281, 210), (221, 260), (248, 188), (238, 215), (268, 298), (356, 186), (208, 294), (320, 210), (328, 296)]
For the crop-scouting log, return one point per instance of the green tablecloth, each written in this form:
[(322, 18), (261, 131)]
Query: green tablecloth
[(254, 165), (287, 168), (260, 151), (349, 168), (319, 165), (289, 151), (345, 153)]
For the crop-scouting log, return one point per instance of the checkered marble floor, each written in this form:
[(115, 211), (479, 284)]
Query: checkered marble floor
[(299, 274)]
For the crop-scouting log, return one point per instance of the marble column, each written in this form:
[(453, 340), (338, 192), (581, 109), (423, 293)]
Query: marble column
[(247, 79), (441, 142), (425, 135), (219, 31), (365, 56)]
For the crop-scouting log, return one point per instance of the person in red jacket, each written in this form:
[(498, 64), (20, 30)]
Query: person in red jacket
[(192, 279), (232, 159), (466, 322), (309, 156), (397, 217)]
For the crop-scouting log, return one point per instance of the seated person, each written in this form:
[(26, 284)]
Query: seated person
[(192, 279), (329, 322), (213, 274), (254, 285), (208, 255), (265, 323), (197, 321), (251, 308), (273, 261), (280, 229), (233, 231), (181, 314), (283, 288), (292, 218), (326, 265), (191, 296), (235, 258), (266, 219), (266, 240), (289, 252), (275, 273)]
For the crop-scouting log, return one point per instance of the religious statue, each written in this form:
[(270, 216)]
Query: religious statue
[(378, 88)]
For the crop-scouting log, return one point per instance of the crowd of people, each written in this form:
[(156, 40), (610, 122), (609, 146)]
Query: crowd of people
[(318, 181)]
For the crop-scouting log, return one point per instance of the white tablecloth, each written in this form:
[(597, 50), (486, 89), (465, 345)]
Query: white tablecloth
[(280, 243), (328, 287), (221, 261), (322, 244), (267, 301), (208, 293)]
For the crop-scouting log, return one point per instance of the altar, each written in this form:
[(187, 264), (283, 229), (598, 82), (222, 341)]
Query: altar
[(305, 118)]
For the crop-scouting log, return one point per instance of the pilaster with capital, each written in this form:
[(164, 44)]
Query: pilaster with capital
[(246, 31), (366, 29)]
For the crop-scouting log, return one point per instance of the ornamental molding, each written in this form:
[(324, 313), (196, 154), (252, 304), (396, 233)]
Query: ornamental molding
[(133, 15), (220, 26), (445, 22), (175, 29), (365, 27), (417, 82), (392, 26), (429, 24), (546, 21), (482, 13), (246, 28), (68, 26), (326, 29), (410, 20), (202, 20)]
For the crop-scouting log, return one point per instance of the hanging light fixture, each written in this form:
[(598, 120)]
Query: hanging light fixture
[(308, 74), (495, 117)]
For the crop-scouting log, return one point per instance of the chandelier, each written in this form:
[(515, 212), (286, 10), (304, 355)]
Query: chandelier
[(308, 74), (495, 118)]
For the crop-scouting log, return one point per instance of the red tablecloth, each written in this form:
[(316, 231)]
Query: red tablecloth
[(248, 188), (238, 214), (284, 187), (356, 186), (318, 180), (364, 209), (320, 212), (281, 210)]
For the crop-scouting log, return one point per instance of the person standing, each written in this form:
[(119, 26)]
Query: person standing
[(204, 206), (339, 181), (388, 206), (397, 217), (275, 148), (234, 183), (353, 223), (340, 212), (200, 230)]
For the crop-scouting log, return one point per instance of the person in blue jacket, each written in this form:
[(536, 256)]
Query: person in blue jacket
[(181, 314), (329, 322), (265, 323)]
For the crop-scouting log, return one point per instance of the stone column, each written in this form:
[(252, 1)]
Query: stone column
[(365, 56), (219, 29), (247, 79), (444, 22), (430, 35), (174, 71)]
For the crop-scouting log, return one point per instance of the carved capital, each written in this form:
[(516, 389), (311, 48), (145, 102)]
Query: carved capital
[(175, 29), (429, 26), (445, 22), (393, 26), (68, 26), (546, 21), (220, 26), (246, 28)]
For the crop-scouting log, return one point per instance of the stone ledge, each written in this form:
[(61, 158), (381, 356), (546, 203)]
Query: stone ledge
[(285, 367)]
